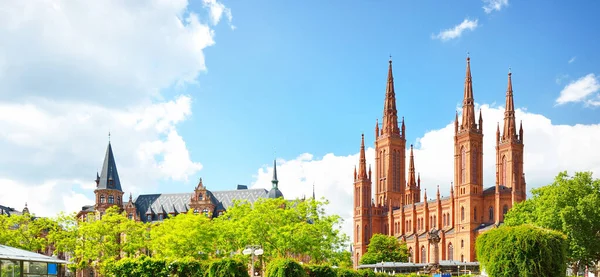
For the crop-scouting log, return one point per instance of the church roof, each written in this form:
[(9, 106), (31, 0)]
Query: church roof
[(173, 203), (109, 177), (9, 211)]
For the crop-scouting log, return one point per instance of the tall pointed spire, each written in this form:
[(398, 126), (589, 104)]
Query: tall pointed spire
[(275, 181), (411, 169), (390, 114), (313, 191), (362, 166), (109, 176), (510, 128), (468, 115)]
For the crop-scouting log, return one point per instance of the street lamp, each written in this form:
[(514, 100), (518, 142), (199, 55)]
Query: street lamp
[(254, 250)]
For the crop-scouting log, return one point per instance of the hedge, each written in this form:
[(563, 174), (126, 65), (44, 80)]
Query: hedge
[(320, 271), (524, 250), (149, 267), (227, 268), (285, 268)]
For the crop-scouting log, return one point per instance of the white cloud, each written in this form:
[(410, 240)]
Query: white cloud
[(494, 5), (583, 89), (456, 31), (572, 59), (549, 149), (217, 11), (72, 71)]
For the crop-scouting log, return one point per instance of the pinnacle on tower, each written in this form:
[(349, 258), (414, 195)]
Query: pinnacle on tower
[(468, 115), (390, 114), (510, 130), (362, 166), (411, 169)]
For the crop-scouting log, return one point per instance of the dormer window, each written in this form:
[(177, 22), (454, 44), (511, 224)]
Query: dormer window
[(200, 197), (160, 216), (111, 199), (102, 199), (110, 183)]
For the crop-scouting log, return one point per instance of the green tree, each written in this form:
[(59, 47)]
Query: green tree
[(185, 235), (384, 248), (292, 229), (570, 205), (522, 251), (25, 231)]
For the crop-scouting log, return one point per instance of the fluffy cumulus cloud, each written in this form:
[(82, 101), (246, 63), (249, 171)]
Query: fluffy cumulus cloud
[(71, 71), (494, 5), (456, 31), (568, 147), (584, 89)]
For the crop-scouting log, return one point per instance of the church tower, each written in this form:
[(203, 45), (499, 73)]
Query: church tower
[(108, 186), (362, 205), (468, 169), (390, 152), (509, 156)]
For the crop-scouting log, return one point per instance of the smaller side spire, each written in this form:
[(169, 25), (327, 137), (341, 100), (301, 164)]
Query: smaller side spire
[(403, 128), (498, 133), (275, 182), (130, 197), (480, 121), (438, 192), (425, 196), (411, 169), (362, 166), (376, 128), (369, 171), (419, 179), (456, 123), (521, 131), (355, 172)]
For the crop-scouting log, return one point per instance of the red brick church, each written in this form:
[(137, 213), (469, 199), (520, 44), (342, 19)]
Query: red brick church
[(398, 208)]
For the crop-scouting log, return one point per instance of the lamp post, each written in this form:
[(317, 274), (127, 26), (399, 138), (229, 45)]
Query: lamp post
[(253, 250)]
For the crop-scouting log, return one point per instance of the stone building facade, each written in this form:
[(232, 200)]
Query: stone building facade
[(398, 208)]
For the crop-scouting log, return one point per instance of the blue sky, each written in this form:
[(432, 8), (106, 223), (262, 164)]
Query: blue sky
[(309, 76), (218, 89)]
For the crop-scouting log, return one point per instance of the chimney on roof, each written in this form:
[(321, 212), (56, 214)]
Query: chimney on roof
[(241, 187)]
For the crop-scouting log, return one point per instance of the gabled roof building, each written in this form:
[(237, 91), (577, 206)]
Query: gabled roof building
[(158, 206)]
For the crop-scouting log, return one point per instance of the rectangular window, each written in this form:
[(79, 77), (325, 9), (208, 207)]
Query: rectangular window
[(149, 217)]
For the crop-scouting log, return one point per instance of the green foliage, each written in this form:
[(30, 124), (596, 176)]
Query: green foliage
[(25, 231), (285, 268), (569, 205), (342, 259), (385, 248), (320, 271), (227, 268), (346, 272), (524, 250), (185, 235), (151, 267)]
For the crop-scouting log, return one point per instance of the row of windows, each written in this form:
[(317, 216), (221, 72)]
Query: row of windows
[(450, 254), (463, 165), (111, 199), (490, 213)]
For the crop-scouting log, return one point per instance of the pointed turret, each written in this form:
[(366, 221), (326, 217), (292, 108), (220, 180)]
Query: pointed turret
[(412, 182), (376, 128), (390, 114), (130, 197), (438, 192), (362, 166), (425, 196), (369, 171), (419, 180), (275, 182), (510, 128), (26, 209), (275, 192), (109, 177), (498, 133), (456, 123), (403, 128), (468, 115), (355, 173)]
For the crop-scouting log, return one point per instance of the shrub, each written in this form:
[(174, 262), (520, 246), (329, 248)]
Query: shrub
[(344, 272), (285, 268), (523, 250), (320, 271), (227, 268), (149, 267)]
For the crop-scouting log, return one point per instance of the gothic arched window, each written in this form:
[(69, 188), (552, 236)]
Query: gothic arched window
[(423, 255), (111, 199), (491, 212), (411, 255), (462, 213), (504, 209), (475, 214), (450, 252), (474, 166), (102, 199), (463, 165), (504, 170)]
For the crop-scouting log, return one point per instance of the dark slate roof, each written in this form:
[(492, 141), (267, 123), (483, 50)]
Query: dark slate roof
[(179, 202), (492, 190), (109, 172), (226, 197), (9, 211), (275, 193), (88, 208)]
